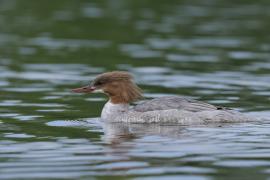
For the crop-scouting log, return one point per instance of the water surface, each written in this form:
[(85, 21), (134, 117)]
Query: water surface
[(214, 50)]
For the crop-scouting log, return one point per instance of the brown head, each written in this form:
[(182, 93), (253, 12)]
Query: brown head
[(118, 85)]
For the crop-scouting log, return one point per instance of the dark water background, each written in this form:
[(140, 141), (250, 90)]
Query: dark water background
[(212, 50)]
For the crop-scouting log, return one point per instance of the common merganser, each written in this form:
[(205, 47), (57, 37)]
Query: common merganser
[(121, 90)]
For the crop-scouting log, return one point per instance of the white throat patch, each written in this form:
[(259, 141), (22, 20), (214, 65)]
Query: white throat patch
[(98, 91)]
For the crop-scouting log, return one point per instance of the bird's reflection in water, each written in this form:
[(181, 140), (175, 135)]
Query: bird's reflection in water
[(116, 133)]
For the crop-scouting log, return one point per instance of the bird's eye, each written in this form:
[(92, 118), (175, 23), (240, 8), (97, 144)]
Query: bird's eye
[(98, 83)]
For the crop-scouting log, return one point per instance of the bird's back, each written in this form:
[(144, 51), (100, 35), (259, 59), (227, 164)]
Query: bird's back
[(175, 102)]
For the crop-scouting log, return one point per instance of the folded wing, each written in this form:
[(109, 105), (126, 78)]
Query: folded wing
[(175, 102)]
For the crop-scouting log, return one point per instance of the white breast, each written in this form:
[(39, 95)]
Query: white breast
[(112, 111)]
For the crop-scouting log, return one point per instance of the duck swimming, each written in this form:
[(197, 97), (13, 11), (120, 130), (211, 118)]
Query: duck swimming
[(121, 89)]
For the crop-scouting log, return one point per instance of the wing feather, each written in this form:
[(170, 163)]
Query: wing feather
[(174, 102)]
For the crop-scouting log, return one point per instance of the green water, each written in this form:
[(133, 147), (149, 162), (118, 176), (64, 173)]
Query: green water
[(217, 51)]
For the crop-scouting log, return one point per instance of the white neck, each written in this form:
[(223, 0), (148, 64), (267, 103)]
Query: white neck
[(111, 111)]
